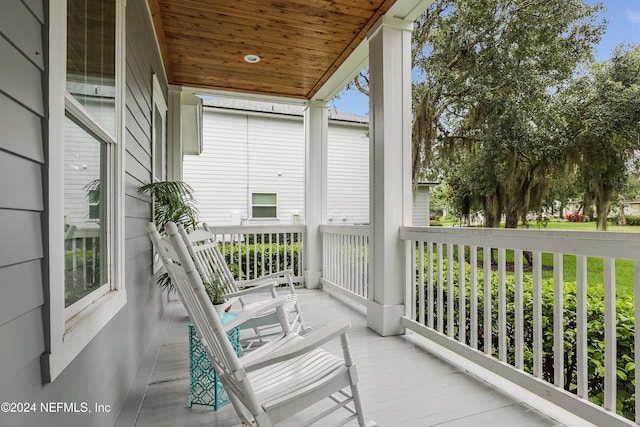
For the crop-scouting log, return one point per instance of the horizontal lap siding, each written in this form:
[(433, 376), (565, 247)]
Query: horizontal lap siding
[(348, 175), (218, 176), (276, 163), (421, 206), (104, 371), (21, 196), (245, 153)]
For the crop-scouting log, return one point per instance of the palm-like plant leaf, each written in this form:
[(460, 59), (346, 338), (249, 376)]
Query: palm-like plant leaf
[(173, 201)]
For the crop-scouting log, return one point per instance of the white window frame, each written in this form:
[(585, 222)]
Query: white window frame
[(251, 206), (69, 330), (160, 103)]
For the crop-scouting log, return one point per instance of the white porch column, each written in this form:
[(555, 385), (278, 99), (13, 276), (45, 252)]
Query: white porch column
[(316, 126), (390, 169)]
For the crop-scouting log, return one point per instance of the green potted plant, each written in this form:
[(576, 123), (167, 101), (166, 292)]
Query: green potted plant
[(216, 292), (172, 201)]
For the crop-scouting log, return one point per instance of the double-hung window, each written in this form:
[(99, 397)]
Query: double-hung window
[(85, 159), (264, 205)]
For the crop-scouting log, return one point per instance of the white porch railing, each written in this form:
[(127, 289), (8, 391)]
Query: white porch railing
[(496, 319), (255, 250), (345, 259)]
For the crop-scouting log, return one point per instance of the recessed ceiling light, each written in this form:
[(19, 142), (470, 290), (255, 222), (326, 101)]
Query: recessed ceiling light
[(252, 59)]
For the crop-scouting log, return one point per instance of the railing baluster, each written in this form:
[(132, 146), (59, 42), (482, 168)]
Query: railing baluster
[(488, 327), (277, 251), (360, 290), (558, 322), (581, 326), (291, 258), (537, 314), (439, 302), (430, 313), (610, 347), (352, 281), (636, 304), (366, 269), (421, 282), (450, 297), (410, 266), (473, 295), (462, 296), (271, 253), (262, 245), (519, 307), (502, 304)]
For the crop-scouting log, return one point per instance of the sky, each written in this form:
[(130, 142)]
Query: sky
[(623, 18)]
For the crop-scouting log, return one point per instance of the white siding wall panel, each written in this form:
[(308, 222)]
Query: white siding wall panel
[(421, 206), (246, 153), (348, 175), (276, 163), (219, 175), (23, 227)]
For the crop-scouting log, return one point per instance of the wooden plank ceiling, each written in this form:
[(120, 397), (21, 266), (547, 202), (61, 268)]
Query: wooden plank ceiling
[(300, 42)]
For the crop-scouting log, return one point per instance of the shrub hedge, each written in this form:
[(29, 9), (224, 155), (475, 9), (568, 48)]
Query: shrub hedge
[(595, 336), (246, 261)]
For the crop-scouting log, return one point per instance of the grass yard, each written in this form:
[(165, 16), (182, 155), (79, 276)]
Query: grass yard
[(582, 226), (595, 270), (595, 274)]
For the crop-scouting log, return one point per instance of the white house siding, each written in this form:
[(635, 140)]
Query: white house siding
[(105, 369), (348, 173), (421, 206), (247, 152), (276, 163), (218, 176)]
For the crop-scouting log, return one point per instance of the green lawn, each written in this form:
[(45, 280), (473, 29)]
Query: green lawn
[(595, 270), (582, 226), (595, 274)]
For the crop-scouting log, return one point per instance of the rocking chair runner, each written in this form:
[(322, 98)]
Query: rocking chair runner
[(210, 262), (279, 379)]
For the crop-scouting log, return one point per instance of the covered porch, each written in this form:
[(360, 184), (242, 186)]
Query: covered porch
[(404, 382), (411, 285)]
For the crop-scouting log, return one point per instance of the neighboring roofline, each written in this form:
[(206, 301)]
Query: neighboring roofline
[(428, 183), (271, 109)]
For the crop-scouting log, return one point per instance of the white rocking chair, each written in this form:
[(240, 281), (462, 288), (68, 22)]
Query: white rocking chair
[(210, 262), (279, 379)]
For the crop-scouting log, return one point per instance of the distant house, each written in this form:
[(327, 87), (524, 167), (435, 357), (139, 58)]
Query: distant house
[(632, 207), (251, 169)]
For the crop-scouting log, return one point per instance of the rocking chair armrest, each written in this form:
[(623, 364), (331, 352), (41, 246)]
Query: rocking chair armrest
[(300, 346), (258, 310), (258, 288), (258, 280)]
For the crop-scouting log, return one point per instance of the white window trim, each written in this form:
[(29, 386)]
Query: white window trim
[(66, 338), (252, 218), (160, 103)]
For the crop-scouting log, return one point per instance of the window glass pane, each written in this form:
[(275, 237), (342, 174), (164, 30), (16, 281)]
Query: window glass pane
[(85, 212), (91, 57), (264, 212), (263, 199)]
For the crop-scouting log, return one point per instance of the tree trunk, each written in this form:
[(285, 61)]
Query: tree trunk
[(512, 219), (623, 217), (587, 205), (603, 212)]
